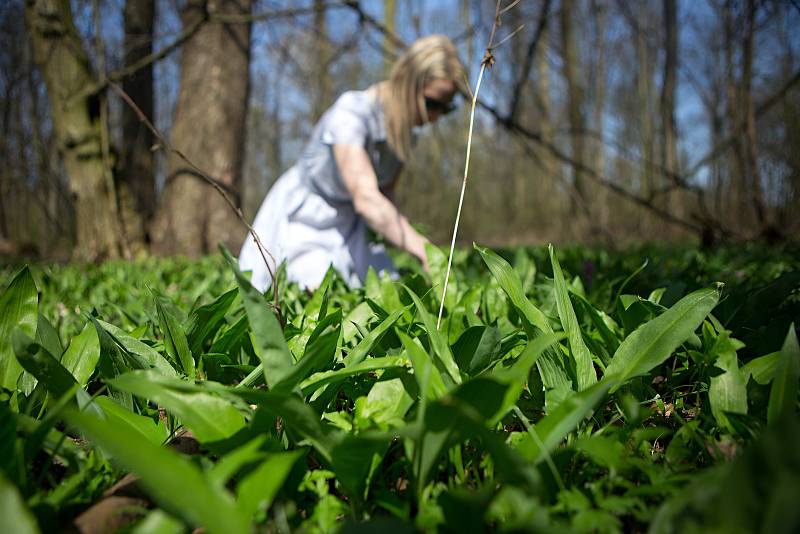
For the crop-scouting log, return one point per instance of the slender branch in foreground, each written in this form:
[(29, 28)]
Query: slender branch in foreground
[(211, 181), (488, 60)]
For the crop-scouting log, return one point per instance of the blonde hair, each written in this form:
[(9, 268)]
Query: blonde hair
[(427, 59)]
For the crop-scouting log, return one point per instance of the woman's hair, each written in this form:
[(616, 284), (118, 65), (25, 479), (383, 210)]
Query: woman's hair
[(427, 59)]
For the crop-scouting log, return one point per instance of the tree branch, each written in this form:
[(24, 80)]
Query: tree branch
[(528, 63)]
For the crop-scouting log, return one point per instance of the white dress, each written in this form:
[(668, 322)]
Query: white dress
[(307, 219)]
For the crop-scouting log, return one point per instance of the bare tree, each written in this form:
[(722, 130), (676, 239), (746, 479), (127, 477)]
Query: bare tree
[(136, 177), (669, 161), (209, 129), (575, 96), (77, 124)]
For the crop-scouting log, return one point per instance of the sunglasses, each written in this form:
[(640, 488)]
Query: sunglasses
[(443, 108)]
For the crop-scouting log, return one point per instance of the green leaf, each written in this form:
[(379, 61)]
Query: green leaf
[(18, 309), (14, 514), (441, 350), (258, 489), (159, 522), (476, 348), (319, 354), (226, 468), (120, 417), (653, 342), (323, 378), (47, 337), (555, 426), (36, 360), (584, 368), (175, 342), (132, 353), (763, 369), (727, 392), (171, 480), (265, 331), (783, 393), (429, 379), (516, 375), (208, 416), (361, 350), (82, 355), (553, 372), (206, 320)]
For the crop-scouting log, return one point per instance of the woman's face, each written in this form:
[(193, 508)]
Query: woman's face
[(436, 100)]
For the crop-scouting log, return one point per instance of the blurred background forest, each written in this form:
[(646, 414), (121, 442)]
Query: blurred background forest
[(603, 121)]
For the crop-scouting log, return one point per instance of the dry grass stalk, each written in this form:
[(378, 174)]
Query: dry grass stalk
[(487, 61)]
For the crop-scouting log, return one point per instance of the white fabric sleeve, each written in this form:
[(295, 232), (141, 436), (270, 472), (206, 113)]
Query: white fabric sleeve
[(344, 126)]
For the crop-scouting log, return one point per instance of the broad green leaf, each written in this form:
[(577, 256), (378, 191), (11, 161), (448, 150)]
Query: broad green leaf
[(555, 426), (584, 368), (118, 416), (259, 487), (476, 348), (783, 393), (133, 353), (361, 350), (727, 392), (14, 514), (159, 522), (358, 317), (36, 360), (206, 320), (226, 468), (386, 402), (175, 342), (82, 355), (18, 310), (429, 379), (550, 365), (172, 481), (354, 459), (265, 331), (320, 351), (298, 417), (653, 342), (516, 375), (462, 415), (323, 378), (763, 369), (47, 337), (439, 347), (211, 418)]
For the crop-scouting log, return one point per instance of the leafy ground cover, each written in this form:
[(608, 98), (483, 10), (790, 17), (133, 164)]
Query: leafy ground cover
[(575, 391)]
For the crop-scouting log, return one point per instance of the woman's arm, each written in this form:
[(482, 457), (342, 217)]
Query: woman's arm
[(380, 213)]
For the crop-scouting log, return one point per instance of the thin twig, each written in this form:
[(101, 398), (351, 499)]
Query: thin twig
[(211, 181), (488, 60)]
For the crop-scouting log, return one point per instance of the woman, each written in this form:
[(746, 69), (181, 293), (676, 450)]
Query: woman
[(317, 213)]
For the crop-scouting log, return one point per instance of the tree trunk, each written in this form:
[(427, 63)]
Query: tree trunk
[(738, 173), (209, 129), (136, 185), (601, 197), (77, 126), (669, 160), (643, 95), (544, 104), (750, 119), (321, 92), (574, 96)]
